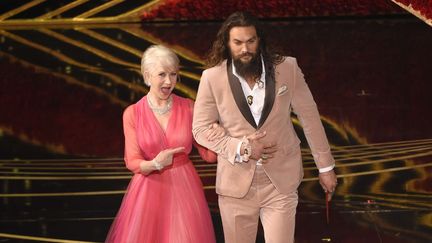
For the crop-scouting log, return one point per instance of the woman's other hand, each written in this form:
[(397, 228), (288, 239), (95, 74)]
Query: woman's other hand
[(215, 132)]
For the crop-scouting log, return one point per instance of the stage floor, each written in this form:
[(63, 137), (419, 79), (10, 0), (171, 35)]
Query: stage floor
[(379, 199)]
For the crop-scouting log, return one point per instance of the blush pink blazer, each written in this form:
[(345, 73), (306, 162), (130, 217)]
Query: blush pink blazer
[(221, 99)]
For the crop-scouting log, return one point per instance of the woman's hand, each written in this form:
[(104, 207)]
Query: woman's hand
[(165, 157), (215, 132)]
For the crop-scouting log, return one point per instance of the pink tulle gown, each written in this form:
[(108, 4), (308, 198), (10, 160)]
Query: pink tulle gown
[(167, 206)]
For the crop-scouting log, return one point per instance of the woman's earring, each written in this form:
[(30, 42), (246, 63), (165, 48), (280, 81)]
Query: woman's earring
[(146, 74), (147, 83)]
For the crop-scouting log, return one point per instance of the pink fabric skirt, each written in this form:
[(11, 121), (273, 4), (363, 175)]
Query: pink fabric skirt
[(164, 207)]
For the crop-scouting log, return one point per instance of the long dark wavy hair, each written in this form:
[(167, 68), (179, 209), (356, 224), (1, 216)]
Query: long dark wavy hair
[(220, 49)]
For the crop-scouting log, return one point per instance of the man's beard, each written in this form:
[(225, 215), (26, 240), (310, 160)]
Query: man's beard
[(251, 69)]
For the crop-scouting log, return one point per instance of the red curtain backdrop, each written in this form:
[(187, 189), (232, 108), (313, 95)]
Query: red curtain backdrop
[(44, 110), (216, 9), (423, 7)]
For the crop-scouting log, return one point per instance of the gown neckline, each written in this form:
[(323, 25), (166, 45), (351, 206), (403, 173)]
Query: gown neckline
[(171, 115)]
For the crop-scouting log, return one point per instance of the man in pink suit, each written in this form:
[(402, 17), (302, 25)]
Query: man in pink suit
[(251, 91)]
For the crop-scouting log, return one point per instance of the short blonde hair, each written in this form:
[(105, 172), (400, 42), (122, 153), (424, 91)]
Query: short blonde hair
[(158, 54)]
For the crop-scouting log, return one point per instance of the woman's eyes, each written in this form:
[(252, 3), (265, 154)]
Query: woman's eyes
[(163, 75)]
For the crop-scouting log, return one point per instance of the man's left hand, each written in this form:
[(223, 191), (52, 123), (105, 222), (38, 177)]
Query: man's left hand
[(328, 182)]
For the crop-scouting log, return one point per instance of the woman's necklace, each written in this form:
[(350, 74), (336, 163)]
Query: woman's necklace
[(162, 110)]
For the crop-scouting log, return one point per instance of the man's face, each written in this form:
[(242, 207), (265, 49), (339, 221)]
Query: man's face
[(243, 43)]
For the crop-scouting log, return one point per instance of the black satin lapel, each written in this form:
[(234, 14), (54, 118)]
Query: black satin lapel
[(269, 96), (238, 94)]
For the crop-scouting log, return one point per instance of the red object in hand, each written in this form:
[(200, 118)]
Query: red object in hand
[(327, 207)]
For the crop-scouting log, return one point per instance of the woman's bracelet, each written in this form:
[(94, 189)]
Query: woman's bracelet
[(157, 165)]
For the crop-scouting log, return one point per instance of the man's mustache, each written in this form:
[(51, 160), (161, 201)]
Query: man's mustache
[(246, 54)]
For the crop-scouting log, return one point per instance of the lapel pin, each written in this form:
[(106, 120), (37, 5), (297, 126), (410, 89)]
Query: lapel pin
[(249, 99)]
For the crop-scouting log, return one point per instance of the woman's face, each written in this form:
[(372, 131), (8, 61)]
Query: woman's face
[(162, 80)]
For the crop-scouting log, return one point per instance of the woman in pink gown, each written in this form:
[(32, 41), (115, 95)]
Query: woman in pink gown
[(164, 202)]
